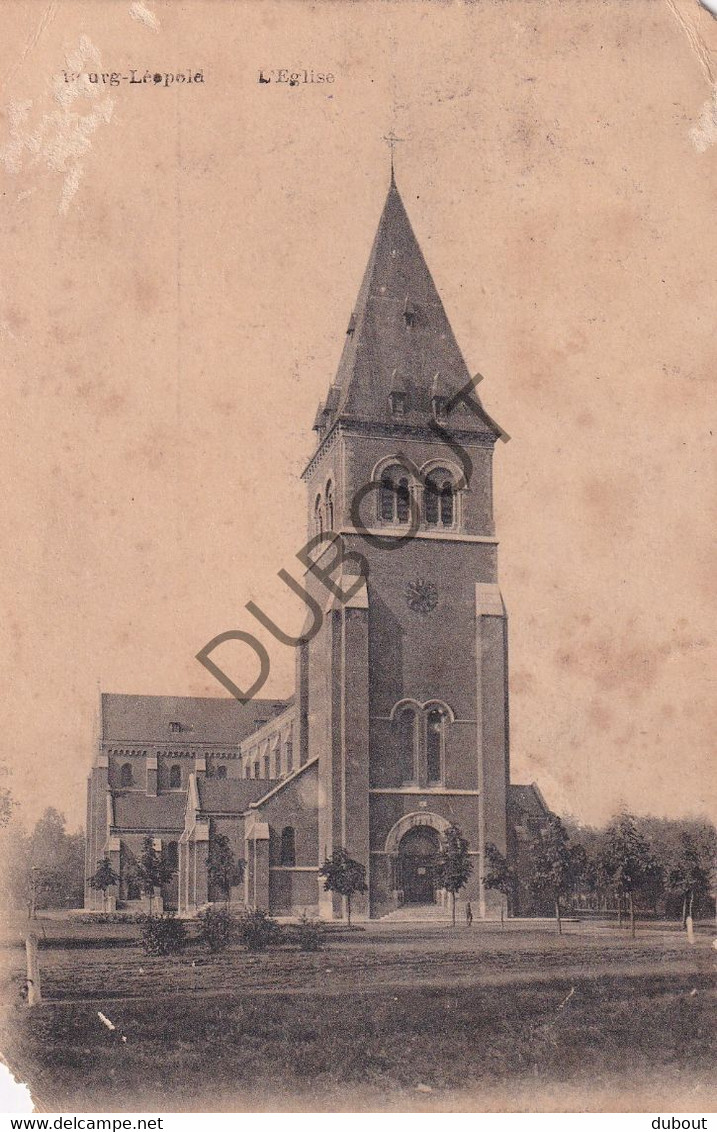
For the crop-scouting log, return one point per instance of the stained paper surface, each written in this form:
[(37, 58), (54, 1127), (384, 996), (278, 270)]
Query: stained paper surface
[(190, 194)]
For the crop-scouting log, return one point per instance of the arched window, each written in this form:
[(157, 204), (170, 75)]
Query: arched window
[(175, 776), (288, 847), (221, 772), (435, 724), (407, 732), (330, 506), (318, 516), (394, 496), (171, 855), (126, 777), (256, 769), (247, 771), (289, 752), (438, 499), (266, 766)]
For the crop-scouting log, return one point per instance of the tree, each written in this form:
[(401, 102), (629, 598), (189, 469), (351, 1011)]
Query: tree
[(454, 864), (688, 872), (628, 861), (223, 868), (555, 864), (103, 878), (152, 870), (343, 875), (44, 868), (500, 876), (7, 803)]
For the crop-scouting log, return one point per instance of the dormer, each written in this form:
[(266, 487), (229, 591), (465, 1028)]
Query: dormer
[(409, 313), (397, 403)]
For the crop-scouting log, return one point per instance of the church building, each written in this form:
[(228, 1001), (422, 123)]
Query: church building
[(398, 726)]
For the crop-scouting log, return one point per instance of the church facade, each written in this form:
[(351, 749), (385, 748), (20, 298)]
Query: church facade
[(399, 722)]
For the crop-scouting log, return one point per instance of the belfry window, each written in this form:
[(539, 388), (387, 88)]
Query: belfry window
[(126, 776), (175, 777), (221, 772), (438, 499), (395, 496)]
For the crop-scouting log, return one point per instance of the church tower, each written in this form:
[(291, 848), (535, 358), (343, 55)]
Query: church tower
[(402, 691)]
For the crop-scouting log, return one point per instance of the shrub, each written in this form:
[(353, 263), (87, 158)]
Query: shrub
[(309, 934), (216, 928), (163, 935), (257, 930)]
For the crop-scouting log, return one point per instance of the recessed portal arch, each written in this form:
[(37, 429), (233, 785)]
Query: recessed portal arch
[(413, 845)]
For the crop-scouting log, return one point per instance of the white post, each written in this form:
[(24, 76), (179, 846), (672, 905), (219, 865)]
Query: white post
[(690, 929), (34, 991)]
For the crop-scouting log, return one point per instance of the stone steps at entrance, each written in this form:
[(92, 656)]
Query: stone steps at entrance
[(418, 913)]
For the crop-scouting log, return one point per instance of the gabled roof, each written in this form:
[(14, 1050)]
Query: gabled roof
[(202, 719), (231, 795), (142, 811), (527, 800), (401, 338)]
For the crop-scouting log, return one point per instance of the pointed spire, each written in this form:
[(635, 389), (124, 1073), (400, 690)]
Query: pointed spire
[(398, 328)]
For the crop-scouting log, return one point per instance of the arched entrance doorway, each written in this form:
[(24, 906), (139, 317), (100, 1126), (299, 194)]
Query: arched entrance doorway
[(418, 852)]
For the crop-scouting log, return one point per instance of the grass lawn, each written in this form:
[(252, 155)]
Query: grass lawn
[(405, 1018)]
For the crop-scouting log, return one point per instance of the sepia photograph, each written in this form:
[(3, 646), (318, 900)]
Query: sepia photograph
[(359, 586)]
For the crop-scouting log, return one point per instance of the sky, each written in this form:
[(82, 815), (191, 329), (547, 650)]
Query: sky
[(181, 261)]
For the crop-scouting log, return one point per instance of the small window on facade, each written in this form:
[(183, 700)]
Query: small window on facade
[(289, 750), (409, 314), (175, 776), (221, 772), (352, 325), (175, 726), (266, 767), (126, 777), (247, 771), (330, 506), (256, 769), (288, 847), (434, 744)]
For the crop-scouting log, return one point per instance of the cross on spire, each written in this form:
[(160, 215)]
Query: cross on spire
[(392, 141)]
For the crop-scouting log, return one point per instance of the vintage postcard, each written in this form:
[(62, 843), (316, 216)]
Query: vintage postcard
[(359, 597)]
